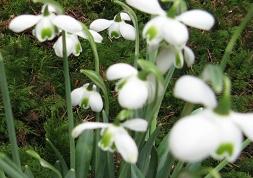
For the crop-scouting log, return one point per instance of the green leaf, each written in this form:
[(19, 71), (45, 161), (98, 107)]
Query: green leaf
[(53, 3), (7, 166), (2, 175), (214, 75), (135, 172), (71, 174), (149, 67), (28, 172), (165, 160), (84, 149), (43, 162), (153, 164), (124, 170), (144, 160), (98, 81), (64, 166)]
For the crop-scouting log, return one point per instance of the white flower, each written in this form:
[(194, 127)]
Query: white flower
[(133, 91), (87, 96), (73, 44), (172, 30), (168, 56), (116, 136), (116, 28), (226, 129), (44, 27)]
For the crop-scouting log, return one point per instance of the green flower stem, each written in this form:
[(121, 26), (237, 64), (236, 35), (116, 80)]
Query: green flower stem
[(225, 162), (93, 47), (68, 100), (235, 37), (9, 115), (136, 26)]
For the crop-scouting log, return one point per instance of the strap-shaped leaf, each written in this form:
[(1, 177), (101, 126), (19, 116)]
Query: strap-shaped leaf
[(144, 160), (71, 174), (152, 169), (63, 164), (214, 75), (2, 175), (84, 149), (43, 162), (150, 67), (98, 80), (135, 172), (165, 160), (53, 3), (28, 172), (7, 166)]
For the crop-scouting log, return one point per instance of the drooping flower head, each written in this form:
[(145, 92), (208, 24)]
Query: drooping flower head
[(87, 97), (116, 27), (115, 137), (132, 90), (211, 132)]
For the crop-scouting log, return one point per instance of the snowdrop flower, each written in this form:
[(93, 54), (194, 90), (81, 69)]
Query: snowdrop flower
[(116, 27), (171, 29), (44, 27), (116, 136), (169, 55), (207, 133), (87, 96), (73, 44), (133, 91)]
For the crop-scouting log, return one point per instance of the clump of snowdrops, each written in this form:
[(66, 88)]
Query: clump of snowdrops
[(126, 146)]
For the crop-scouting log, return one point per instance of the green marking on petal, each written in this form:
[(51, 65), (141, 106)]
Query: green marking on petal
[(225, 148), (85, 103), (179, 63), (151, 33), (46, 33), (115, 34), (106, 141), (78, 48)]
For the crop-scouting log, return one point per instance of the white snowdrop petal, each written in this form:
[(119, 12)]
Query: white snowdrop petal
[(194, 90), (175, 33), (189, 56), (58, 46), (165, 58), (127, 31), (114, 30), (120, 70), (96, 102), (193, 138), (152, 31), (45, 30), (136, 124), (87, 126), (150, 6), (77, 96), (124, 16), (67, 23), (23, 22), (100, 24), (197, 18), (97, 37), (245, 122), (230, 136), (126, 146), (133, 94)]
